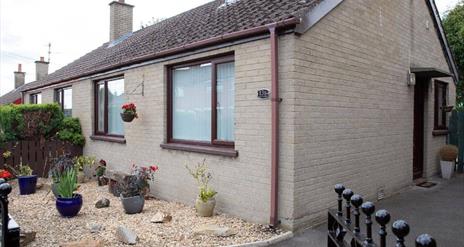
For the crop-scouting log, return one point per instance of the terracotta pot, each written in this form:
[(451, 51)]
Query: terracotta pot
[(205, 209)]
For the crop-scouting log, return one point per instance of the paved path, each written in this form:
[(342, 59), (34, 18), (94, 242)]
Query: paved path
[(438, 211)]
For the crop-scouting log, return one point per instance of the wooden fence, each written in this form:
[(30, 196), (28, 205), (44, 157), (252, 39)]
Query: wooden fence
[(38, 155)]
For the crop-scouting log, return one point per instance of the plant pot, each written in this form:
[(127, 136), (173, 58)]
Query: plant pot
[(102, 181), (69, 207), (113, 187), (447, 169), (127, 117), (205, 209), (55, 190), (27, 184), (133, 205)]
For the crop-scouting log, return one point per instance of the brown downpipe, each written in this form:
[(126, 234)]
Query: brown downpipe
[(275, 100)]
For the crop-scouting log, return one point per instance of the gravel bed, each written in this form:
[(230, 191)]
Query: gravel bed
[(37, 213)]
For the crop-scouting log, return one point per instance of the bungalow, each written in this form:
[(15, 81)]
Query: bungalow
[(283, 99)]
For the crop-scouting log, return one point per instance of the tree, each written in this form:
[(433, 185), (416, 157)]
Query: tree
[(453, 24)]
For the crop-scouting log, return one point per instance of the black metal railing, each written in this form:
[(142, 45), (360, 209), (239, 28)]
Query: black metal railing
[(342, 231), (10, 230)]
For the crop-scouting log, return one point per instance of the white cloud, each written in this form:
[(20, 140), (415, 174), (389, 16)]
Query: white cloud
[(74, 28)]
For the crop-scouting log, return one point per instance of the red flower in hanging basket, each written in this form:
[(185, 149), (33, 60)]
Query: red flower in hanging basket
[(129, 109)]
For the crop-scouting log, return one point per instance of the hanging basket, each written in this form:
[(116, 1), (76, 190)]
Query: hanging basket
[(127, 117)]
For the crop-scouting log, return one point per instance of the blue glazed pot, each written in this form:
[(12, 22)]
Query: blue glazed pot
[(27, 184), (69, 207)]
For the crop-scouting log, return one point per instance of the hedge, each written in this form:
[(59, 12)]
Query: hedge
[(19, 122)]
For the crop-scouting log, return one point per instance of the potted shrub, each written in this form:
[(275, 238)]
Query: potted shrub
[(26, 180), (129, 112), (448, 155), (84, 166), (205, 201), (68, 203), (59, 165), (100, 172), (135, 187)]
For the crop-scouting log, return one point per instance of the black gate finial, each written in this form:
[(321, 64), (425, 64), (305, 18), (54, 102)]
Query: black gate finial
[(425, 240), (401, 229), (347, 194), (357, 201), (382, 217), (368, 209)]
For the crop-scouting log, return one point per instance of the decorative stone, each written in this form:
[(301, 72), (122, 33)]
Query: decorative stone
[(126, 235), (214, 230), (83, 243), (102, 203), (95, 227), (26, 238), (161, 217)]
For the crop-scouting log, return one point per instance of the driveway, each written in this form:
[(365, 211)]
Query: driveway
[(438, 211)]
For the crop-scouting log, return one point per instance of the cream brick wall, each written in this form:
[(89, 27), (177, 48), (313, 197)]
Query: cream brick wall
[(346, 115), (243, 183), (354, 121)]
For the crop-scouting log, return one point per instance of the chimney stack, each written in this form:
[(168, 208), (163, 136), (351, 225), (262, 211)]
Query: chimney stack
[(41, 69), (19, 77), (120, 19)]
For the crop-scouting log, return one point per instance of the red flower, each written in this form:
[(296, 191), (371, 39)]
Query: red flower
[(154, 168), (102, 162), (5, 174)]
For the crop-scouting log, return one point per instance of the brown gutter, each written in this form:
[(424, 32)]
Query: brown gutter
[(275, 100), (195, 45)]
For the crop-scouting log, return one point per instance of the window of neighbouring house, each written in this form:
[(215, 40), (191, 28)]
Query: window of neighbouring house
[(36, 98), (63, 97), (440, 105), (202, 103), (109, 98)]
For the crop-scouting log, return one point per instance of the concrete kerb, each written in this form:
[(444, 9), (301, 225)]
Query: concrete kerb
[(271, 241)]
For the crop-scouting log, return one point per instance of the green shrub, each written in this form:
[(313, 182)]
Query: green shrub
[(71, 131), (19, 122)]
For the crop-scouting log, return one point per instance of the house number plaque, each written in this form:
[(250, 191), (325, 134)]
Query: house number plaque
[(263, 93)]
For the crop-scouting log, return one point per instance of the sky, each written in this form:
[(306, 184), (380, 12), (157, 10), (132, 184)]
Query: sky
[(74, 28)]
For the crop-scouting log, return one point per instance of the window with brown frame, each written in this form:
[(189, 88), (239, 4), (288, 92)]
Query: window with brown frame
[(63, 96), (35, 98), (440, 105), (109, 97), (201, 102)]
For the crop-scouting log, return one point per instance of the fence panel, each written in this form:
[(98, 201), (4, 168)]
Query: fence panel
[(37, 154)]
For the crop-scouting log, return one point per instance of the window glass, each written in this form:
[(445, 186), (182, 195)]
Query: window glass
[(115, 102), (67, 102), (225, 101), (39, 98), (192, 103), (101, 107)]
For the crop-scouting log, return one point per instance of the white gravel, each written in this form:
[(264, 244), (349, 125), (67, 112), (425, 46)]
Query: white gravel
[(37, 213)]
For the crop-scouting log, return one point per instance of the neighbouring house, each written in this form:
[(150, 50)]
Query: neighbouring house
[(283, 99), (14, 96)]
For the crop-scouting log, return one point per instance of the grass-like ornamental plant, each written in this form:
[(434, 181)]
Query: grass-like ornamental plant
[(449, 153), (202, 177), (68, 183)]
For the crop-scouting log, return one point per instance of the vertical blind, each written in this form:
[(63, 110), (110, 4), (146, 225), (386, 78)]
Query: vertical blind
[(115, 102), (192, 103), (225, 101)]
